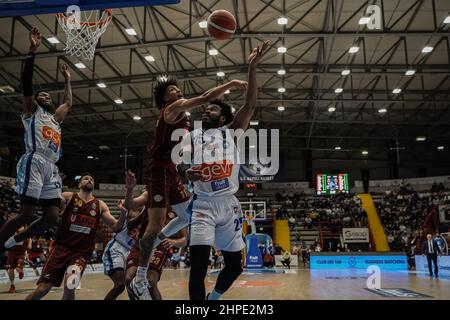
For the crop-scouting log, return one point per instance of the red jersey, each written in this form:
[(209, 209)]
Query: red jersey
[(78, 226), (144, 223), (161, 149)]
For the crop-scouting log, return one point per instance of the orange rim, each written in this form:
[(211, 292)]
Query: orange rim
[(62, 16)]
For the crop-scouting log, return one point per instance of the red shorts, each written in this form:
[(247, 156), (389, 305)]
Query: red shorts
[(164, 187), (157, 262), (15, 259), (57, 263)]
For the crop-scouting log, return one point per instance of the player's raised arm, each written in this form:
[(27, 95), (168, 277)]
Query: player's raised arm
[(29, 107), (130, 202), (64, 108), (115, 224), (182, 105), (245, 113)]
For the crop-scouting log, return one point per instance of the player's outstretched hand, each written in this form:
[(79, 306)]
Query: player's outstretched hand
[(130, 180), (168, 243), (121, 205), (35, 39), (194, 175), (64, 68), (257, 53), (240, 84)]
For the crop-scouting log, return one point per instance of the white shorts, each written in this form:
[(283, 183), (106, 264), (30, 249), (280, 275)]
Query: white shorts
[(216, 220), (37, 177), (115, 256)]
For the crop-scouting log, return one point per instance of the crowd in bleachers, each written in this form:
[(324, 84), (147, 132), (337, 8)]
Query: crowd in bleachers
[(403, 214), (342, 210)]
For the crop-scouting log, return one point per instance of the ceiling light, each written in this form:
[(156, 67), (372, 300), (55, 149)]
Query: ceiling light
[(281, 49), (281, 72), (331, 109), (421, 138), (6, 89), (101, 85), (338, 90), (53, 40), (337, 148), (365, 152), (281, 90), (282, 20), (364, 20), (227, 92), (213, 52), (345, 72), (254, 123), (203, 24), (447, 20), (281, 108), (137, 118), (252, 147), (162, 78), (233, 109), (440, 148), (382, 110), (396, 91), (353, 49), (104, 147), (80, 65), (188, 113), (90, 157), (427, 49), (221, 74), (131, 31), (149, 58), (118, 101)]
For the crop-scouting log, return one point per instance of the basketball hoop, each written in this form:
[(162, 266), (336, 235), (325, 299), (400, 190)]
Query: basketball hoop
[(82, 35)]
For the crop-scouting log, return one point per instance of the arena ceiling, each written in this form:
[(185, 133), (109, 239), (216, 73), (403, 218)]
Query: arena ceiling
[(318, 36)]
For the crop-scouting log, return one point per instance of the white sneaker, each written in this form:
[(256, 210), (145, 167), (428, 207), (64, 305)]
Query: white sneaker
[(140, 290)]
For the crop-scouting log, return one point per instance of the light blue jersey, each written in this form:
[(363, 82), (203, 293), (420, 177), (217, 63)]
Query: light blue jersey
[(42, 135)]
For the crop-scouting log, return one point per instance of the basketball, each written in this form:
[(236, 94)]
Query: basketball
[(221, 24)]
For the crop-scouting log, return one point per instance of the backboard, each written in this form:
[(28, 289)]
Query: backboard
[(33, 7)]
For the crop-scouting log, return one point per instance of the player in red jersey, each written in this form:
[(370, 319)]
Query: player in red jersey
[(158, 259), (161, 178), (75, 239), (15, 261), (160, 254)]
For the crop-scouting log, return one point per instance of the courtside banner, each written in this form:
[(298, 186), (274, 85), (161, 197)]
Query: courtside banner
[(355, 235)]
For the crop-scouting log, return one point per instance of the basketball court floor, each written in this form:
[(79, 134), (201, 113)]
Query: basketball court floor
[(297, 284)]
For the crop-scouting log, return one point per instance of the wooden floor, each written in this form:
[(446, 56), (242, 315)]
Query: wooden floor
[(300, 284)]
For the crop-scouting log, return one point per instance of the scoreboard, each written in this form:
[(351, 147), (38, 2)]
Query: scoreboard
[(327, 184)]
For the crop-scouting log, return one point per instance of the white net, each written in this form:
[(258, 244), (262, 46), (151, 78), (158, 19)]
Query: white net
[(83, 30)]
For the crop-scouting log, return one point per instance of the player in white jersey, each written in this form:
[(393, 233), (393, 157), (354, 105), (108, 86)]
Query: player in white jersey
[(117, 250), (216, 215), (38, 180)]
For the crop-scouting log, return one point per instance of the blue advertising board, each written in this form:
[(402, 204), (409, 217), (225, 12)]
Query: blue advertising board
[(443, 264), (359, 261)]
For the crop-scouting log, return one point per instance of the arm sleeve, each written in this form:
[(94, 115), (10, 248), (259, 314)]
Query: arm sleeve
[(27, 76)]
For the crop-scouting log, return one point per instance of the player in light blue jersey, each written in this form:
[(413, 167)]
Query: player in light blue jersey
[(38, 180)]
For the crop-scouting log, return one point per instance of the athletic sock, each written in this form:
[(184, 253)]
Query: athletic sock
[(141, 274), (214, 295)]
